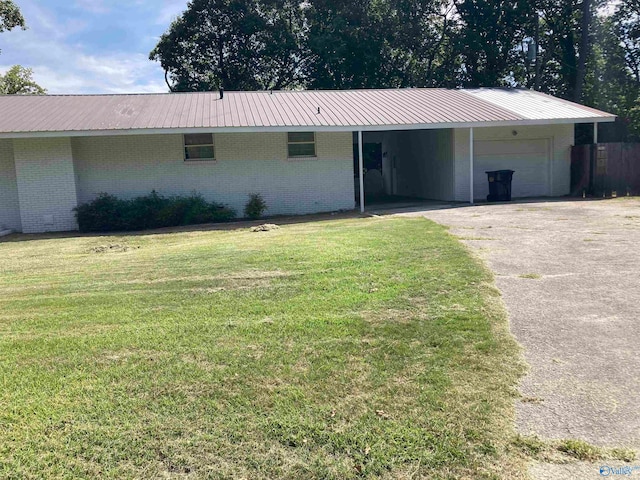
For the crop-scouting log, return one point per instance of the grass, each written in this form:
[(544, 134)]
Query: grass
[(569, 450), (476, 238), (362, 348), (534, 209)]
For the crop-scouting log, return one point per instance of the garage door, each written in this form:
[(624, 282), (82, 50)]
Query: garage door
[(528, 158)]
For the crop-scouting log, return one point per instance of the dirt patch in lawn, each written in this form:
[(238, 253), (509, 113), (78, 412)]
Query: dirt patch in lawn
[(113, 248)]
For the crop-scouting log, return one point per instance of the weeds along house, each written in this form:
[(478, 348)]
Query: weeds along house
[(300, 150)]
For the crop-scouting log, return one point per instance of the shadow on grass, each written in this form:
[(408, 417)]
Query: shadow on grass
[(379, 209), (227, 226)]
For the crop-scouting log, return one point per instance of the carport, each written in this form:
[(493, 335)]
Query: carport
[(407, 164), (448, 161)]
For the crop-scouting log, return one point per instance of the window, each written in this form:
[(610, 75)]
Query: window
[(199, 147), (301, 144)]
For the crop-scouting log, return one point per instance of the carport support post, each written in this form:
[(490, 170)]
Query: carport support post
[(360, 169), (471, 165), (595, 133)]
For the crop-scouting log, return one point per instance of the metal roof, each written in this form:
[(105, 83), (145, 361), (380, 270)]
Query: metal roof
[(535, 105), (399, 109)]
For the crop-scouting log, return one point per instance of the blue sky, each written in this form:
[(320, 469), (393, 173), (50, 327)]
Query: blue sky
[(91, 46)]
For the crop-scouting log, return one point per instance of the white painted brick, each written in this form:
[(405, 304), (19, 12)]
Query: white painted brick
[(43, 177), (127, 166), (561, 138), (46, 184), (9, 203)]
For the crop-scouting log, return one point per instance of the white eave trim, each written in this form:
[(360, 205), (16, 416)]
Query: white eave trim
[(305, 128)]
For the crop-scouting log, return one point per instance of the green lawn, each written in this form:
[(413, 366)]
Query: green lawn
[(360, 348)]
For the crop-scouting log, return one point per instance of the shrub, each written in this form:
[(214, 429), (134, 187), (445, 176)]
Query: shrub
[(144, 212), (193, 210), (104, 214), (255, 207), (198, 210), (108, 213)]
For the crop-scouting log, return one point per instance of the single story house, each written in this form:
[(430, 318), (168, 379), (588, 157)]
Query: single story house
[(302, 150)]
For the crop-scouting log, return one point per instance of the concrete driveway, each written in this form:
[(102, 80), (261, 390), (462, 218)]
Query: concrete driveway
[(569, 272)]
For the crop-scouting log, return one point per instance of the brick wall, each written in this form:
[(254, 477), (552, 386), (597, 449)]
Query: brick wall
[(9, 203), (127, 166), (560, 139), (46, 184), (48, 178)]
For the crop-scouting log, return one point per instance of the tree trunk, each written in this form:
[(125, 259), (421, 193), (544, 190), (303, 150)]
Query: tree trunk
[(585, 45), (224, 76), (166, 80), (536, 39)]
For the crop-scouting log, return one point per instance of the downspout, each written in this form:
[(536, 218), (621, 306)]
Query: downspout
[(360, 169), (593, 159), (471, 165)]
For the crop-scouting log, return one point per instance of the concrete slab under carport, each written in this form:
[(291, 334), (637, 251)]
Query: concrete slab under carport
[(568, 272)]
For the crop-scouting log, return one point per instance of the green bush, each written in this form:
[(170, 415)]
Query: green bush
[(104, 214), (142, 213), (108, 213), (255, 207)]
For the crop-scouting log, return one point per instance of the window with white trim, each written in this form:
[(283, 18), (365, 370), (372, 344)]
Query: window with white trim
[(301, 144), (199, 147)]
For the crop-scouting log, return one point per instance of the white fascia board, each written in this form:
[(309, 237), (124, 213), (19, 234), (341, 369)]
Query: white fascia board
[(306, 128)]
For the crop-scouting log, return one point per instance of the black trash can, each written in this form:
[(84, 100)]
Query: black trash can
[(500, 185)]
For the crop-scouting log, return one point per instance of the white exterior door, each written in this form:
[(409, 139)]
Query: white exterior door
[(528, 158)]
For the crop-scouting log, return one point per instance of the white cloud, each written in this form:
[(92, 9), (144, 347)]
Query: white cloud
[(45, 23), (122, 77), (170, 11), (100, 74), (124, 73), (64, 68)]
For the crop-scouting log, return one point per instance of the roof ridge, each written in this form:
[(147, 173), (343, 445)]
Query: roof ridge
[(321, 91), (216, 92)]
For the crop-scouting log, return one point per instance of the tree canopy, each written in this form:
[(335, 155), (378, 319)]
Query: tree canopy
[(574, 49), (237, 44), (10, 16), (19, 81)]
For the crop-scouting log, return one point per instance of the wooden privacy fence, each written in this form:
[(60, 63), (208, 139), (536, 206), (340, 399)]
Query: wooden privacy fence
[(605, 169)]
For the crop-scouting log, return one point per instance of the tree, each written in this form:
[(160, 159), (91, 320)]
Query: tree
[(19, 81), (488, 39), (10, 16), (555, 24), (583, 49), (565, 34), (235, 44), (627, 21), (626, 26), (423, 42), (349, 44)]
